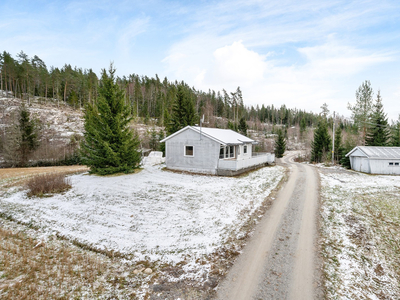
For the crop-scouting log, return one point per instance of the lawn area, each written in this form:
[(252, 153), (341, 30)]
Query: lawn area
[(179, 225), (360, 235)]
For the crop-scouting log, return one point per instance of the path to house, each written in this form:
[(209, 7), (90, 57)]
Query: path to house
[(279, 261)]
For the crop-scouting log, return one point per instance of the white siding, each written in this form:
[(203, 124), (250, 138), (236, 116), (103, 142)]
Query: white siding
[(204, 160), (381, 166)]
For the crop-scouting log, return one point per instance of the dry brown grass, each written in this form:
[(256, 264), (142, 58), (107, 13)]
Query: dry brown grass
[(18, 176), (34, 269), (51, 183)]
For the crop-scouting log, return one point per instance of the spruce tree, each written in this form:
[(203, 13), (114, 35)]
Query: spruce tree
[(22, 139), (183, 113), (109, 144), (349, 144), (242, 126), (395, 137), (378, 133), (339, 150), (321, 144), (303, 126), (280, 144)]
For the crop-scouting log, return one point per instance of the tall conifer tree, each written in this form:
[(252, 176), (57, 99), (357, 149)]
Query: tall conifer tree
[(322, 142), (395, 138), (109, 146), (183, 113), (378, 133), (280, 144), (362, 109)]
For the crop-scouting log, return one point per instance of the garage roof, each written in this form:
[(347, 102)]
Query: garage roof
[(377, 152)]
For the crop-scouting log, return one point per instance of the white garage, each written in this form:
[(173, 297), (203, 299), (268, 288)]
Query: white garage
[(375, 160)]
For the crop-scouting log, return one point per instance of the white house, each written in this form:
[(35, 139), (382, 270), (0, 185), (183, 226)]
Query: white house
[(212, 151), (375, 160)]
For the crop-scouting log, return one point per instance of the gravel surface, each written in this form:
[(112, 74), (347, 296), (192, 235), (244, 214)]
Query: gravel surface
[(278, 270), (280, 261)]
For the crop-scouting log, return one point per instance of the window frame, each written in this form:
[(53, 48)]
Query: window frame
[(223, 152), (185, 149)]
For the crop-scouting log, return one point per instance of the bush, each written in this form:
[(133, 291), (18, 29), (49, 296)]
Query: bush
[(41, 185)]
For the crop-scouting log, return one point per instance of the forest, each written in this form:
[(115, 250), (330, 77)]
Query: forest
[(151, 101), (26, 77)]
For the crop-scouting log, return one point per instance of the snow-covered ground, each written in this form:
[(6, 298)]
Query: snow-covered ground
[(360, 236), (152, 215)]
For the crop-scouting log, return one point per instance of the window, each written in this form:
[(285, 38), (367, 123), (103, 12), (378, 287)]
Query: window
[(396, 164), (390, 164), (189, 151), (244, 149), (221, 152), (231, 151)]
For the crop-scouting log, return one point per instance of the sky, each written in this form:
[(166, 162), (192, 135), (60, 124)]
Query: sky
[(298, 53)]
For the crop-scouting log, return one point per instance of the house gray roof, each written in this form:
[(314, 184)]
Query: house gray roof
[(222, 136), (378, 152)]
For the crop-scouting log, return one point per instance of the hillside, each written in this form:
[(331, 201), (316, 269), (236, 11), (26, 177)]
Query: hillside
[(61, 128)]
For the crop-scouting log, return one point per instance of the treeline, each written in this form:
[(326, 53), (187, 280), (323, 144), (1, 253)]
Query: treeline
[(26, 77), (369, 126)]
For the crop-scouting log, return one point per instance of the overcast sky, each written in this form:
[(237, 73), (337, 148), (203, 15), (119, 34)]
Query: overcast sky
[(298, 53)]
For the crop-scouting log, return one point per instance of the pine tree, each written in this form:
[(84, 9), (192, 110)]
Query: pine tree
[(303, 126), (395, 138), (280, 144), (233, 126), (109, 145), (322, 142), (339, 150), (349, 145), (29, 135), (154, 141), (361, 111), (183, 113), (378, 133), (22, 139), (242, 126), (161, 137)]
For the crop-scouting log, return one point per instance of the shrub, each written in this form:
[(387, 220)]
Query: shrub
[(41, 185)]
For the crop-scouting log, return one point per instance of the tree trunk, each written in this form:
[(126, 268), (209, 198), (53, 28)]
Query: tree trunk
[(65, 92)]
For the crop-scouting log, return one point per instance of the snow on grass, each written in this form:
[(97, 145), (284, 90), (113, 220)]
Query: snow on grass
[(360, 236), (153, 215)]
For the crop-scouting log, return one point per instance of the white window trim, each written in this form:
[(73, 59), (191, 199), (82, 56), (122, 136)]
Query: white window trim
[(184, 151)]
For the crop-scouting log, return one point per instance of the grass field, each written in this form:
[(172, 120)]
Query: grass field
[(360, 235), (185, 228)]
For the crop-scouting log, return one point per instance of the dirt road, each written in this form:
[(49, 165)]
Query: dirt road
[(279, 260)]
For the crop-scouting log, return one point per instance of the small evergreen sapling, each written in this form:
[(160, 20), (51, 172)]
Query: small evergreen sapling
[(280, 144)]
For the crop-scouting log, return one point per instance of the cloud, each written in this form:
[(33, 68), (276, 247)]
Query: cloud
[(235, 65), (321, 77), (333, 59), (132, 29)]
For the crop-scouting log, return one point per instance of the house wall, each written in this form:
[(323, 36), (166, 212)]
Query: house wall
[(243, 155), (375, 166), (381, 166), (204, 160)]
